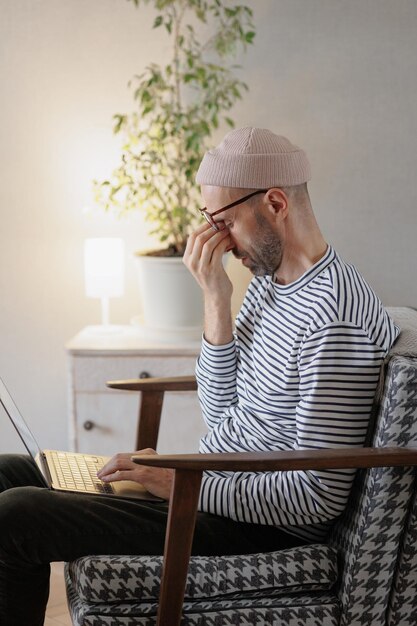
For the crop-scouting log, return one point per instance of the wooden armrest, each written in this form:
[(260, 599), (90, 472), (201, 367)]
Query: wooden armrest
[(330, 458), (153, 390), (175, 383), (186, 489)]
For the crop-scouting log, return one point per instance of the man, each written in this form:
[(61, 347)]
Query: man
[(302, 367), (299, 371)]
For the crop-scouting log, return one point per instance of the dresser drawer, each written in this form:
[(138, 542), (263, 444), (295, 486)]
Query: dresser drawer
[(90, 373), (106, 422), (112, 418)]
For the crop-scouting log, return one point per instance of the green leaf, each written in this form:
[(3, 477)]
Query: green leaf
[(119, 120), (204, 128), (145, 96), (249, 36), (158, 21), (201, 14)]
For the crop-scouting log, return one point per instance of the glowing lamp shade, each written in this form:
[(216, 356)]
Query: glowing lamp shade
[(104, 270)]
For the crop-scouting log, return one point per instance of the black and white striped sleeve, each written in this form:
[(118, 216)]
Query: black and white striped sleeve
[(216, 379)]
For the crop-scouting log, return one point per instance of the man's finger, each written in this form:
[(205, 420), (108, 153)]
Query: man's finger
[(204, 245), (204, 228), (118, 462), (220, 250), (118, 475), (211, 246)]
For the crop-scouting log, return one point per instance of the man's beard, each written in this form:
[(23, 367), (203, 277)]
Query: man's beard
[(266, 250)]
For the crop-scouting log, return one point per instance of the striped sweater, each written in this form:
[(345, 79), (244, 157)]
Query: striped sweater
[(300, 373)]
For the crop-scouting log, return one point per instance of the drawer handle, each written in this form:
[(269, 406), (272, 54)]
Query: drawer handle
[(88, 425), (144, 375)]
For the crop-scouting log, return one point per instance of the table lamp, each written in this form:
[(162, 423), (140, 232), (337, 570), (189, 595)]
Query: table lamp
[(104, 272)]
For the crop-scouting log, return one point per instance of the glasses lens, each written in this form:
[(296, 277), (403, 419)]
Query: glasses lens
[(210, 220)]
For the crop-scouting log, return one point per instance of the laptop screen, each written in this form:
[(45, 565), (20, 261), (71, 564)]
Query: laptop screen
[(18, 421)]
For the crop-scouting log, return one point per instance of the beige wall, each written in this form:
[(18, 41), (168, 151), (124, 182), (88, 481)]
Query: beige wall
[(338, 77)]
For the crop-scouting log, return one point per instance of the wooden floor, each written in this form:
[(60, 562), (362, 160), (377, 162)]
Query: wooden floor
[(57, 613)]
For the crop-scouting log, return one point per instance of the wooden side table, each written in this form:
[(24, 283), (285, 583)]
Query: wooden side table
[(104, 421)]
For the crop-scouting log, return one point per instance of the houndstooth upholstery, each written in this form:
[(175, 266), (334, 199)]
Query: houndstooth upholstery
[(137, 578), (368, 534), (133, 584), (252, 590), (403, 602), (310, 609)]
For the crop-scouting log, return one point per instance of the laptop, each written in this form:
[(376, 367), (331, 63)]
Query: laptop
[(70, 471)]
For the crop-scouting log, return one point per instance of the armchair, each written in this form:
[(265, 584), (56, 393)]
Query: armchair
[(347, 581)]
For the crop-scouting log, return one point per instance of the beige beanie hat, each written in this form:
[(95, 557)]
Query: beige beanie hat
[(254, 158)]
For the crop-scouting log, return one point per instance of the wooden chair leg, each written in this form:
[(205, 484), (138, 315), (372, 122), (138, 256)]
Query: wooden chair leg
[(149, 419), (178, 541)]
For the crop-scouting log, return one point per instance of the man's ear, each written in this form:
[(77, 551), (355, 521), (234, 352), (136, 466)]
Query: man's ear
[(277, 202)]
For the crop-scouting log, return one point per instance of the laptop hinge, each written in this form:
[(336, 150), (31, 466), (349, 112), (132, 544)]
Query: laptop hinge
[(44, 470)]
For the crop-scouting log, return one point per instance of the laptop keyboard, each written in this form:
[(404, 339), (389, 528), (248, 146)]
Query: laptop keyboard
[(79, 473)]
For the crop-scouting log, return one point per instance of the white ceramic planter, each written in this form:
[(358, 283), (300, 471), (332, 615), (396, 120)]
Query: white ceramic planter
[(172, 301)]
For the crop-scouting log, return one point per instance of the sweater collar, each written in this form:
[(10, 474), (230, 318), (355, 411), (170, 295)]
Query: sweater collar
[(308, 275)]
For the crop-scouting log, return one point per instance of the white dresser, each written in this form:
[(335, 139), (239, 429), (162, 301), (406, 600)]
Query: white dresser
[(103, 420)]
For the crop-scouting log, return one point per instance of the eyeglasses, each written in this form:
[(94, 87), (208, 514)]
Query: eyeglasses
[(209, 216)]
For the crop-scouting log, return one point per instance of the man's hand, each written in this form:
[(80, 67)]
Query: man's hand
[(203, 257), (157, 480)]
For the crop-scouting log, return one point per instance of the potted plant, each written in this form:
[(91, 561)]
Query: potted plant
[(178, 107)]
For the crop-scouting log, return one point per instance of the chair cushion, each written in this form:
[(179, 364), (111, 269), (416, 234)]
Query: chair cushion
[(137, 578), (307, 609)]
